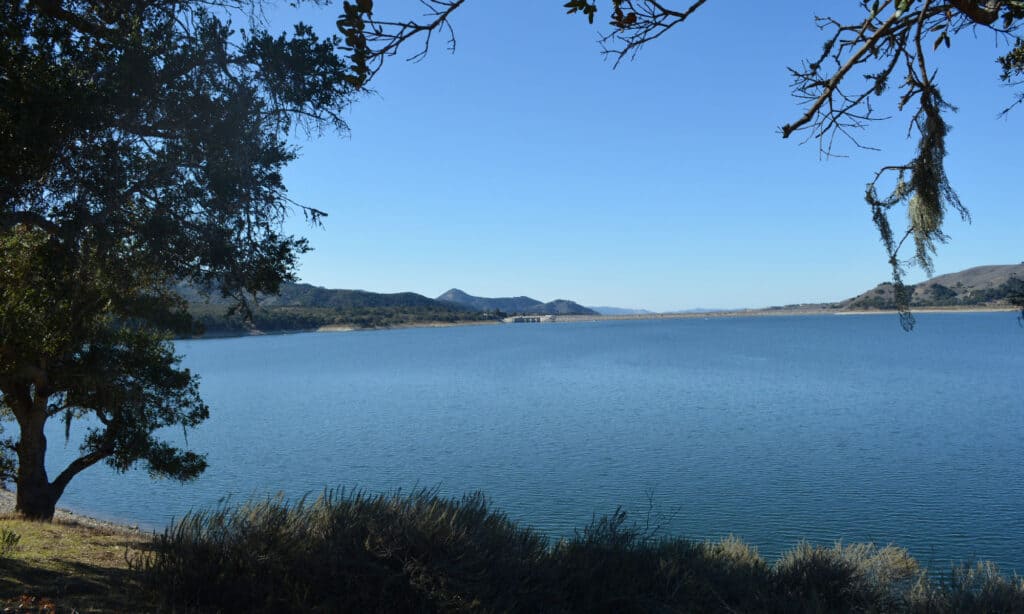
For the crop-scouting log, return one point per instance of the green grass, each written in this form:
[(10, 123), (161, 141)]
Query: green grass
[(69, 567)]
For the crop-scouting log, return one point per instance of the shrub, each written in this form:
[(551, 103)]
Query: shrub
[(8, 542), (614, 567), (420, 552), (856, 577), (970, 588), (348, 553)]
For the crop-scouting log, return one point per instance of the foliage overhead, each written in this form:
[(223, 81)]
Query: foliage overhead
[(886, 51), (141, 144)]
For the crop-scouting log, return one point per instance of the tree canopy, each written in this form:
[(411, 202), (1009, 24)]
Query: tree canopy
[(886, 51), (141, 145)]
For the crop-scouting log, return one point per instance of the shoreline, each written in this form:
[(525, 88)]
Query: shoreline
[(333, 328), (573, 318), (771, 312), (345, 328), (65, 516)]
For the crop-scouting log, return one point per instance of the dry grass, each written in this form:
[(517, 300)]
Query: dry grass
[(420, 552), (71, 567)]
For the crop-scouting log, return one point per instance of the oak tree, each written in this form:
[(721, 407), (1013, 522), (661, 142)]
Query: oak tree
[(141, 145)]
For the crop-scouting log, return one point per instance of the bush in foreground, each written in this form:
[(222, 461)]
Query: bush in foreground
[(349, 553), (424, 553), (8, 542)]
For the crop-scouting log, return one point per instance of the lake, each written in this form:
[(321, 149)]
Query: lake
[(774, 429)]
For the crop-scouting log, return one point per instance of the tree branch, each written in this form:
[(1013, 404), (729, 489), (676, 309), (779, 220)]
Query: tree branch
[(361, 31), (833, 83), (639, 22), (28, 218), (77, 466), (981, 13), (54, 10)]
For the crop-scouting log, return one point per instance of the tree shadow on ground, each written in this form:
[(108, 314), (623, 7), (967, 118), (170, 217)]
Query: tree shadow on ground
[(72, 586)]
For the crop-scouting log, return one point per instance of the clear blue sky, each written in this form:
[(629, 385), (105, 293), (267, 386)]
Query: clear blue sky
[(523, 164)]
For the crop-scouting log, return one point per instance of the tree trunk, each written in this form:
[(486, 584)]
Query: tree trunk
[(36, 497)]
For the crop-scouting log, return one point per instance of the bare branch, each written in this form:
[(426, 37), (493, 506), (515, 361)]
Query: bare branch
[(639, 22), (372, 40), (830, 87)]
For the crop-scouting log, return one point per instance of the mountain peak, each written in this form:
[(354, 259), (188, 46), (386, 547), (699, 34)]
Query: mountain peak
[(516, 304), (454, 296)]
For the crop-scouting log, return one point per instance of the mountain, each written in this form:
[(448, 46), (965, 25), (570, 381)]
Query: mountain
[(305, 306), (982, 286), (619, 311), (516, 304), (562, 307), (308, 295)]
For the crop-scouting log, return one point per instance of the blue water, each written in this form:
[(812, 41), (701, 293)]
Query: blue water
[(773, 429)]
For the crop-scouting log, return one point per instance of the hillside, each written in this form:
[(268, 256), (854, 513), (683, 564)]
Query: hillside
[(304, 307), (982, 286), (308, 295), (514, 305)]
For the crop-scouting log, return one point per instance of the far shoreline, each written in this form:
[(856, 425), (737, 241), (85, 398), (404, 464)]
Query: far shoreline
[(575, 318)]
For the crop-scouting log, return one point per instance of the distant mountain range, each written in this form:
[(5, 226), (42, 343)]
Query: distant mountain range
[(308, 295), (514, 305), (620, 311), (305, 306), (981, 286)]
